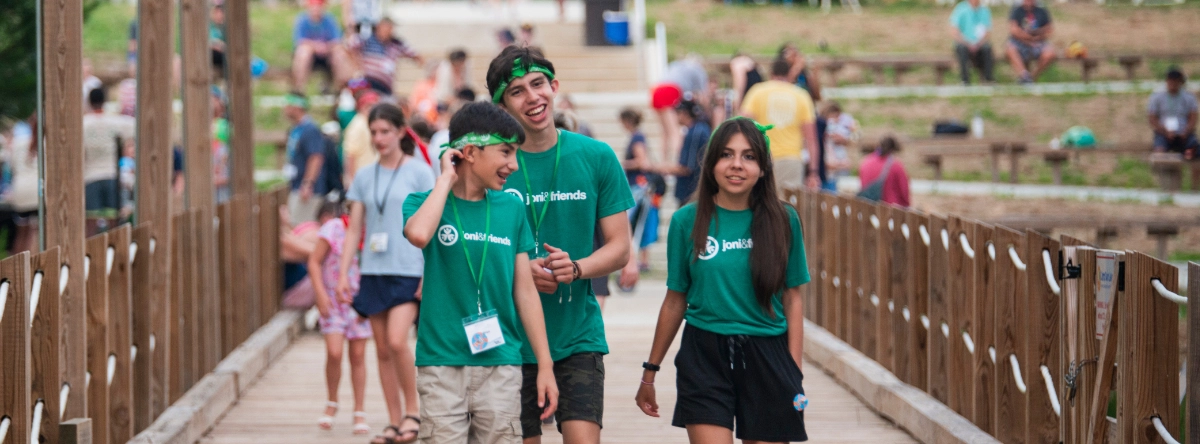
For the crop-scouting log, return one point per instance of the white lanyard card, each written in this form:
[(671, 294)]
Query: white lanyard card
[(483, 332)]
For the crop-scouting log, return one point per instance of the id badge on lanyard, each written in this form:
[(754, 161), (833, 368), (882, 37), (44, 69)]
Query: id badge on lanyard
[(483, 332), (378, 242)]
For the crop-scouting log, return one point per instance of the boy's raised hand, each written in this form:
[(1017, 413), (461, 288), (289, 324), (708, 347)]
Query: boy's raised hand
[(449, 158), (547, 392)]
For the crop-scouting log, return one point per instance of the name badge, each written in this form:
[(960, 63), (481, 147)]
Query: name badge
[(1171, 123), (483, 332), (378, 242), (980, 31), (289, 172)]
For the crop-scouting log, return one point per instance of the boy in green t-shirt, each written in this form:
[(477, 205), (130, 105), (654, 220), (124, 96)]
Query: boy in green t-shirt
[(571, 185), (475, 240)]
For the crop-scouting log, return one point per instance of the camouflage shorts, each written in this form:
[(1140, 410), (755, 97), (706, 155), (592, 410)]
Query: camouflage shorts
[(580, 379)]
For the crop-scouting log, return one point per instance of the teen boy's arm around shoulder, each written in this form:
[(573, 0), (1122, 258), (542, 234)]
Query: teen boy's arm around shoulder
[(529, 308), (420, 228)]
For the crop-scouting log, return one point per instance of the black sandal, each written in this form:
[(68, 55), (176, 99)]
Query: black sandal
[(383, 439), (415, 432)]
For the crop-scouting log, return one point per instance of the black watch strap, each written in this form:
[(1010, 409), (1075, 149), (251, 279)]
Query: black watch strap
[(648, 366)]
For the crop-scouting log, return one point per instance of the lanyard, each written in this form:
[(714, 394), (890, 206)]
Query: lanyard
[(487, 232), (380, 204), (538, 218)]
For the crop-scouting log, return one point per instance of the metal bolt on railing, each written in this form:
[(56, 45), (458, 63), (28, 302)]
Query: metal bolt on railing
[(1016, 259), (1016, 371), (1167, 294), (966, 246), (1050, 280), (1162, 431), (1051, 391)]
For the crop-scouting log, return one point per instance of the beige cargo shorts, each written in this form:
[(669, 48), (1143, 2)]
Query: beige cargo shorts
[(477, 405)]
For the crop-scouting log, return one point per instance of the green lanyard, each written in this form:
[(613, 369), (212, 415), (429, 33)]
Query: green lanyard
[(538, 218), (478, 277)]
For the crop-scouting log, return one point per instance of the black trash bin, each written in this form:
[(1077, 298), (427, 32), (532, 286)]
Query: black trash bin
[(593, 20)]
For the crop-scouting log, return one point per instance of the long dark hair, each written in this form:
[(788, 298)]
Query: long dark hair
[(392, 114), (770, 229)]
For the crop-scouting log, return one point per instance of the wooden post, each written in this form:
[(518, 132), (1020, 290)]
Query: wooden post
[(97, 356), (146, 388), (62, 153), (242, 263), (961, 299), (181, 342), (941, 376), (76, 431), (241, 147), (1044, 338), (45, 340), (155, 58), (918, 258), (983, 330), (120, 336), (900, 272), (15, 371), (197, 122), (1009, 336), (1193, 356), (1148, 352)]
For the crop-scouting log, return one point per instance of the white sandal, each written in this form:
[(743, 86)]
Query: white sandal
[(361, 428), (325, 422)]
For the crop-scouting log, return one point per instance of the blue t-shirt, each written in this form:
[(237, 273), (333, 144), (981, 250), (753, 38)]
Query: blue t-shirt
[(382, 192), (324, 30), (694, 144), (632, 175), (305, 140), (973, 23)]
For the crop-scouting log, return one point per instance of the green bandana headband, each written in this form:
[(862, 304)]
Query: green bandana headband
[(520, 69), (761, 128), (480, 140), (296, 101)]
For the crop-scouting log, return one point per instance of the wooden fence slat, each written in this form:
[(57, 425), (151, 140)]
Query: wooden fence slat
[(1148, 354), (1106, 363), (225, 278), (918, 254), (1193, 356), (885, 315), (1077, 307), (45, 339), (983, 330), (866, 277), (898, 282), (267, 207), (120, 336), (844, 270), (1043, 340), (179, 360), (195, 306), (941, 375), (831, 312), (1009, 337), (146, 388), (15, 368), (97, 350), (960, 296)]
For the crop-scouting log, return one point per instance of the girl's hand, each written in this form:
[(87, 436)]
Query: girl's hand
[(629, 275), (324, 305), (647, 400), (345, 297), (343, 288), (420, 286)]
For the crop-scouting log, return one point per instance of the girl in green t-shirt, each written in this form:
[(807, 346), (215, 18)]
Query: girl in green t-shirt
[(735, 262)]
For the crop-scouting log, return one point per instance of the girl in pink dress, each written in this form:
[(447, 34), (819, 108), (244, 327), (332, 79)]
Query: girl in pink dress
[(339, 323)]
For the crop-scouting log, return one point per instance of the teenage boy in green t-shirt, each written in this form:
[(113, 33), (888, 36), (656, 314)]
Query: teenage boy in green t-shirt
[(476, 240), (570, 185)]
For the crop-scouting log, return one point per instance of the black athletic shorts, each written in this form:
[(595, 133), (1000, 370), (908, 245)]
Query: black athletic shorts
[(580, 379), (759, 393)]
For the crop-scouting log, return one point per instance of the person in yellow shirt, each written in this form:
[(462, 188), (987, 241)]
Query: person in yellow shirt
[(789, 108), (356, 145)]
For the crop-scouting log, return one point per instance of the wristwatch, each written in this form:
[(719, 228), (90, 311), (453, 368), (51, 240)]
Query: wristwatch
[(648, 366)]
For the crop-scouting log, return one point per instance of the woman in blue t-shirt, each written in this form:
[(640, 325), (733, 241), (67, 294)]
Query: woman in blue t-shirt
[(647, 187), (735, 263)]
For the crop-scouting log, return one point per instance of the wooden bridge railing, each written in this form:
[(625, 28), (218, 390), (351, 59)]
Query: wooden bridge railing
[(1021, 334), (144, 348)]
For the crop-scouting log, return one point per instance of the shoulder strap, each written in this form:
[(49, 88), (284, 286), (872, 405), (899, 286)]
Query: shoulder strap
[(882, 178)]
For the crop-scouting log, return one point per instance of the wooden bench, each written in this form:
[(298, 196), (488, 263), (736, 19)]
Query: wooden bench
[(878, 64), (933, 150)]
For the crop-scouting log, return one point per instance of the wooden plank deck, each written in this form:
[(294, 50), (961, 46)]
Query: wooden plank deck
[(284, 404)]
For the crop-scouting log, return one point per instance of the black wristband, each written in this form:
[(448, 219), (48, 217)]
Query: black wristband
[(648, 366), (576, 273)]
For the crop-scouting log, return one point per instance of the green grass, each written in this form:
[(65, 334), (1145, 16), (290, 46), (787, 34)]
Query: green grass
[(1185, 256), (1129, 173)]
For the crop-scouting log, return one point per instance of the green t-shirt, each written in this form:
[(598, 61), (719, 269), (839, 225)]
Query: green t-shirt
[(449, 292), (720, 294), (589, 185)]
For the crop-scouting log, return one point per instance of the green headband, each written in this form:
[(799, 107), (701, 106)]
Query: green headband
[(520, 69), (480, 140), (296, 101), (761, 129)]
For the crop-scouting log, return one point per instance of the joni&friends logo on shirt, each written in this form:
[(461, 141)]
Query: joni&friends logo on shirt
[(552, 196), (448, 235), (713, 246)]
